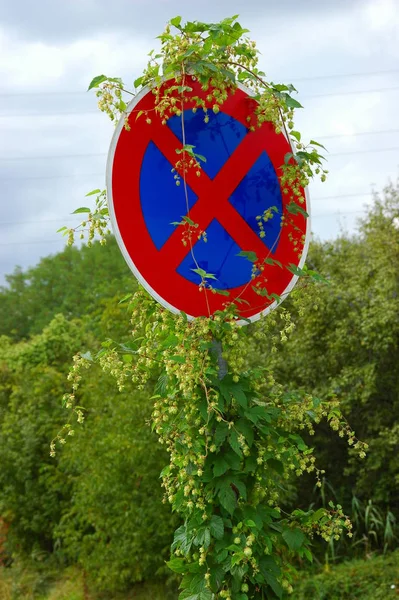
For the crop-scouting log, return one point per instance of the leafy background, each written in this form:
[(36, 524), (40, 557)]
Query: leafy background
[(97, 507)]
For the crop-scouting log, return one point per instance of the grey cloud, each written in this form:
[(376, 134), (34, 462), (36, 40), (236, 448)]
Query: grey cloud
[(46, 190), (60, 21)]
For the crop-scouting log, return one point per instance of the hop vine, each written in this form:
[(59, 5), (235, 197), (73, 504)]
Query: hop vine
[(232, 431), (234, 443)]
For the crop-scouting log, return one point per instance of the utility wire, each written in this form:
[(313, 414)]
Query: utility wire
[(32, 242), (75, 220), (96, 112), (63, 219), (54, 156), (341, 135), (103, 154), (321, 215), (319, 137), (377, 150), (52, 177), (343, 75), (306, 78), (350, 92)]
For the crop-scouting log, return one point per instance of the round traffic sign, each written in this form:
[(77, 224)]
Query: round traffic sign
[(229, 220)]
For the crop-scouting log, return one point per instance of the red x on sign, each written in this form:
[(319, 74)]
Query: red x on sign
[(141, 195), (213, 196)]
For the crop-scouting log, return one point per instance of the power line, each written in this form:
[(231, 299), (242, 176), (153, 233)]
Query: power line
[(52, 177), (322, 137), (351, 92), (358, 133), (320, 215), (75, 220), (377, 150), (41, 115), (335, 214), (32, 242), (96, 112), (356, 195), (63, 219), (306, 78), (103, 154), (338, 214), (54, 156), (343, 75)]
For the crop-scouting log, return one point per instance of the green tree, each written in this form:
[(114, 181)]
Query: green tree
[(346, 345), (99, 506), (116, 527), (75, 283), (33, 491)]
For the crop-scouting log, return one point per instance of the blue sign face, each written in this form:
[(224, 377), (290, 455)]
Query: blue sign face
[(163, 203)]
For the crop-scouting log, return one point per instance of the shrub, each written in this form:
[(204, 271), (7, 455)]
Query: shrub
[(374, 579)]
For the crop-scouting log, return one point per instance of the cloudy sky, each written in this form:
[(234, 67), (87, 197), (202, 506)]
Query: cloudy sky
[(342, 55)]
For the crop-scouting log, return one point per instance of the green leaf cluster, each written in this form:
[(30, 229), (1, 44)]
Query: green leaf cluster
[(95, 504), (345, 346)]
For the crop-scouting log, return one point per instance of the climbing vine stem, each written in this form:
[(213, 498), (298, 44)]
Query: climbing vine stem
[(234, 443), (234, 434)]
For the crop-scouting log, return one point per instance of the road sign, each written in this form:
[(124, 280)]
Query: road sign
[(237, 186)]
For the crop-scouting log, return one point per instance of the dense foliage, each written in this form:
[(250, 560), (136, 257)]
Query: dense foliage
[(33, 491), (373, 578), (75, 283), (77, 505), (89, 505), (370, 579), (346, 345)]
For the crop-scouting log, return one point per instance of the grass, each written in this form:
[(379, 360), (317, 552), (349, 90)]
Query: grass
[(25, 584), (5, 587), (71, 588), (376, 578)]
